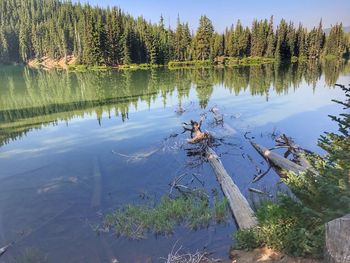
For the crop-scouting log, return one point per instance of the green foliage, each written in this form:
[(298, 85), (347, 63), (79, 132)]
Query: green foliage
[(296, 225), (203, 39), (285, 226), (220, 209), (247, 239), (108, 36), (336, 44), (134, 221)]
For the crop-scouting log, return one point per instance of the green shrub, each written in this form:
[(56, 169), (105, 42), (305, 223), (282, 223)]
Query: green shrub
[(296, 225), (285, 226)]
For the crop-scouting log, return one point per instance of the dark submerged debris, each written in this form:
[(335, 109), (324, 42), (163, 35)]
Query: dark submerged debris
[(261, 174), (254, 190)]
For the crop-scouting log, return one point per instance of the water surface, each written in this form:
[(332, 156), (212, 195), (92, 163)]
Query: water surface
[(66, 136)]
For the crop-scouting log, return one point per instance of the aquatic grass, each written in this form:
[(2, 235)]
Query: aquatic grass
[(221, 211), (200, 214), (30, 255), (194, 212)]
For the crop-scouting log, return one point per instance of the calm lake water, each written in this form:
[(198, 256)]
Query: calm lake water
[(67, 138)]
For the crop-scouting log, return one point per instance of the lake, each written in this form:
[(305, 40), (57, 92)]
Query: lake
[(74, 146)]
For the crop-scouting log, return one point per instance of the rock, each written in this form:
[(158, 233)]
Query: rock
[(337, 240)]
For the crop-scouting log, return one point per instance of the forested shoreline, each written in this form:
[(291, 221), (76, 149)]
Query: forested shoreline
[(108, 36)]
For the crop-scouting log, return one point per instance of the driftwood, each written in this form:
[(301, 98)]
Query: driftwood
[(241, 210), (239, 205), (195, 130), (280, 164), (284, 141), (337, 249)]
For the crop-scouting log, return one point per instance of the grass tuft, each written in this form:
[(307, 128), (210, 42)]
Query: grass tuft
[(134, 221)]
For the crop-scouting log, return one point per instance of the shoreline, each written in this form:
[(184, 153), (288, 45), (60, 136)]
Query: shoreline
[(70, 63)]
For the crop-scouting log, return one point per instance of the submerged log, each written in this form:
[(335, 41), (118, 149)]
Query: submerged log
[(281, 165), (243, 213), (337, 248), (4, 249), (219, 120), (97, 188)]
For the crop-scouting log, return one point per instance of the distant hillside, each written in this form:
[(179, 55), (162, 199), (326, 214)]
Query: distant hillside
[(345, 28)]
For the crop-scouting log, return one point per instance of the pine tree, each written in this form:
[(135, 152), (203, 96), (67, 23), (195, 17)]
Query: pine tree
[(4, 55), (316, 39), (270, 49), (282, 47), (25, 42), (126, 57), (217, 48), (203, 38), (301, 42), (291, 39), (241, 41), (186, 42), (178, 41), (113, 24), (336, 41)]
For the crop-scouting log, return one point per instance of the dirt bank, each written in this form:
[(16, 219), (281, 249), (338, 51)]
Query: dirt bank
[(266, 255), (49, 63)]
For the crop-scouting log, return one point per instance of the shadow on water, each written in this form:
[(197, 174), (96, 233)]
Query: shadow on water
[(59, 132)]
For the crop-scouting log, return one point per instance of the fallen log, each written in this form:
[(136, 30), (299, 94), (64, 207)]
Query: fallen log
[(280, 164), (240, 208), (242, 212)]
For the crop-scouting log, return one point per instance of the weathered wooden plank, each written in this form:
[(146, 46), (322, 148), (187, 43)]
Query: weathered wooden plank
[(337, 240), (243, 213)]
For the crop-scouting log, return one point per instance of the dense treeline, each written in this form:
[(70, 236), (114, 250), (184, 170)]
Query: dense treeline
[(108, 36)]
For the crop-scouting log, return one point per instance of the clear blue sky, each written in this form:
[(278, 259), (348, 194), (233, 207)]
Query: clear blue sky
[(225, 12)]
